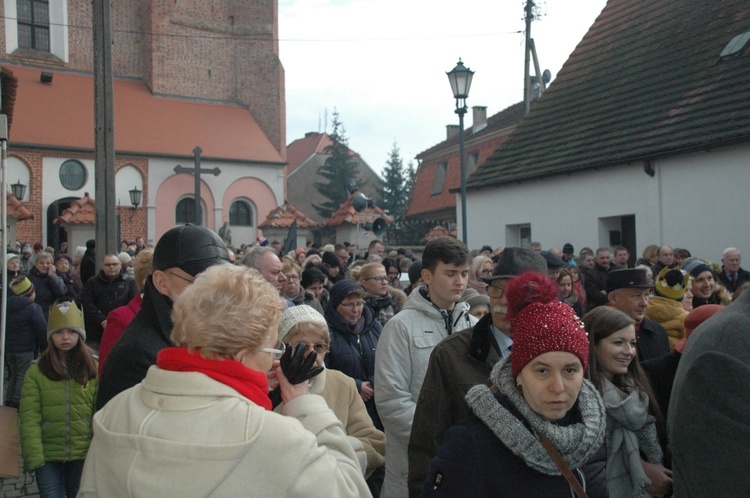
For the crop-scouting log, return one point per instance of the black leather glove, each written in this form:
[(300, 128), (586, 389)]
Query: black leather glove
[(296, 367)]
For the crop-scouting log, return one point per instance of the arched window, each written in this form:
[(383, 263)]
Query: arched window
[(240, 214), (185, 211)]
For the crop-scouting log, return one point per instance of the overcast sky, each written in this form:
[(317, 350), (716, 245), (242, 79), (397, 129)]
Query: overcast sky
[(382, 63)]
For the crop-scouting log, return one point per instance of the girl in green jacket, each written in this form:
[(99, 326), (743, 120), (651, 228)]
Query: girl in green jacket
[(57, 404)]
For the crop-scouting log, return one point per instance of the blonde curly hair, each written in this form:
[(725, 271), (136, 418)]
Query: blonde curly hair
[(226, 309)]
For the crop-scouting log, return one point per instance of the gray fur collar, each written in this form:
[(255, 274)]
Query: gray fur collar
[(576, 443)]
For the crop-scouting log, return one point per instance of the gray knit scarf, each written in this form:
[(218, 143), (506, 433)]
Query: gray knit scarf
[(631, 432), (576, 443)]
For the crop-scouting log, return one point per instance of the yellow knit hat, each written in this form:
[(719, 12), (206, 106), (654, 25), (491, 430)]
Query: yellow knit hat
[(66, 315), (21, 286), (671, 283)]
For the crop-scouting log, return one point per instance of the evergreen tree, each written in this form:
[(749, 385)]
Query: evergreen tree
[(339, 167), (394, 195)]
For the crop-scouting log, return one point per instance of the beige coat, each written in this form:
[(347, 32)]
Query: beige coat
[(340, 392), (185, 434)]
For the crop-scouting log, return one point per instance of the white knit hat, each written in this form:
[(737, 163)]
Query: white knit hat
[(298, 314)]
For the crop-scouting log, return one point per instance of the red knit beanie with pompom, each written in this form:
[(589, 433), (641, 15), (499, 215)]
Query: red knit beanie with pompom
[(540, 323)]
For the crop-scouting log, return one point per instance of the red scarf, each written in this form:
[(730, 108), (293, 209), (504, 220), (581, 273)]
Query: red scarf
[(249, 383)]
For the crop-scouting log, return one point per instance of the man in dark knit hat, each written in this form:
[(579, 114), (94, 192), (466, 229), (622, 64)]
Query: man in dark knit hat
[(461, 361), (180, 255), (629, 291)]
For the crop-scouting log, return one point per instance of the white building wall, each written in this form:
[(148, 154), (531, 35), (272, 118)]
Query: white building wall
[(698, 202)]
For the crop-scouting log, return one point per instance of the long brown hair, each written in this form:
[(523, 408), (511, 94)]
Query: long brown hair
[(78, 364), (601, 322)]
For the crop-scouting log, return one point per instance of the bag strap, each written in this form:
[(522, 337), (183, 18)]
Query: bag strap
[(566, 472)]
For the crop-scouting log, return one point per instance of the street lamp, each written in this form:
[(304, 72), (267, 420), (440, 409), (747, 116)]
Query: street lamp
[(18, 189), (460, 80), (135, 197)]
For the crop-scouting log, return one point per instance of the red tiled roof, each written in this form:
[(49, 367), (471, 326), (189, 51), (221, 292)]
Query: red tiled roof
[(646, 82), (9, 89), (439, 231), (81, 212), (61, 114), (346, 214), (484, 143), (16, 209), (301, 149), (284, 216)]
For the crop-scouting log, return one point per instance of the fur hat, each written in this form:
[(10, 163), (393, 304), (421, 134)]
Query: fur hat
[(66, 315), (671, 283), (296, 315), (340, 290), (541, 323), (22, 286), (515, 260)]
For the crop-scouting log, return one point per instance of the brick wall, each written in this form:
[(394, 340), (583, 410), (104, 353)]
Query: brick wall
[(132, 222)]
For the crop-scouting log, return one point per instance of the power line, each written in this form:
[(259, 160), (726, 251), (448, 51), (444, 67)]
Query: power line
[(265, 37)]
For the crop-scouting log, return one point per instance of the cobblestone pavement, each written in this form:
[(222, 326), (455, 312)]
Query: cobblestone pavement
[(25, 485)]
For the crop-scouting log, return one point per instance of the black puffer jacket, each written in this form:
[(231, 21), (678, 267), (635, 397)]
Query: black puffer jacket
[(26, 328)]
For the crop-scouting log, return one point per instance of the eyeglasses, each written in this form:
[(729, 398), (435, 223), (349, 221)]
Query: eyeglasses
[(486, 272), (292, 277), (276, 353), (190, 280), (318, 347), (111, 264), (379, 280), (495, 291), (351, 306)]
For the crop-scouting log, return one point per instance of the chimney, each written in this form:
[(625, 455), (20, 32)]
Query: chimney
[(479, 118), (452, 131)]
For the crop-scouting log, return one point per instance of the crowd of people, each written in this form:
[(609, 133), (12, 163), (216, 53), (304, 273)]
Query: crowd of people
[(189, 367)]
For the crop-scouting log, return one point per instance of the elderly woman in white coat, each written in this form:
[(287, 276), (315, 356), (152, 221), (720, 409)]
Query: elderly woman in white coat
[(200, 423)]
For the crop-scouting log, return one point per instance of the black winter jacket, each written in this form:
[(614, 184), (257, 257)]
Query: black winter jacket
[(136, 349), (26, 328), (100, 296), (485, 467)]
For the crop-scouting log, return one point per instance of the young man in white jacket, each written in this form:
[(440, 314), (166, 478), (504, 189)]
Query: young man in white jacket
[(433, 311)]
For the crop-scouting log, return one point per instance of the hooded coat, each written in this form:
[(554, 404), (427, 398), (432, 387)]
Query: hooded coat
[(400, 365)]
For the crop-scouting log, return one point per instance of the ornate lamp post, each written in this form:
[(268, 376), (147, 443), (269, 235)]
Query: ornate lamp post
[(460, 80)]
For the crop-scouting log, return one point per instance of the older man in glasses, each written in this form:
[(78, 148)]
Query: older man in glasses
[(461, 361), (179, 256), (102, 293)]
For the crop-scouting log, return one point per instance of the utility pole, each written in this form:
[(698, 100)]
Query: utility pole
[(528, 11), (104, 131)]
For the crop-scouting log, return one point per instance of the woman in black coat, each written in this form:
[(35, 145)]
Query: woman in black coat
[(354, 337), (539, 392)]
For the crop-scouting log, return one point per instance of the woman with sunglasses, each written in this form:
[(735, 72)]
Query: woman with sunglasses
[(200, 423), (304, 325)]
